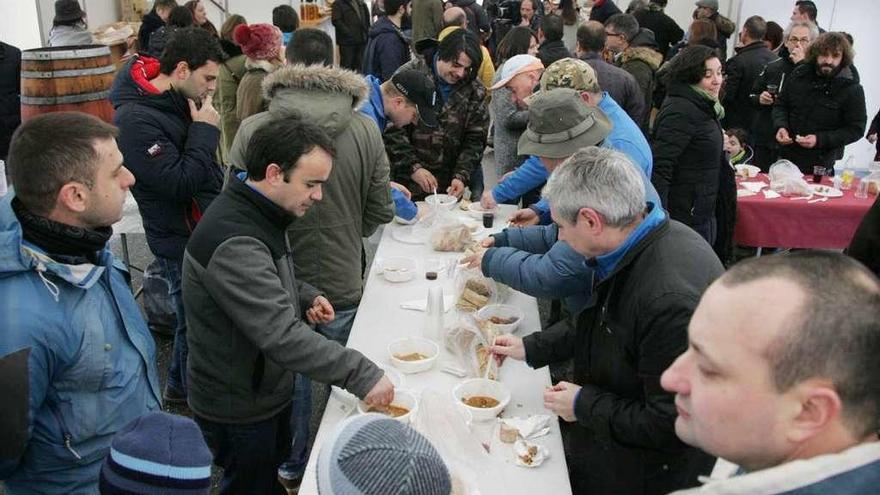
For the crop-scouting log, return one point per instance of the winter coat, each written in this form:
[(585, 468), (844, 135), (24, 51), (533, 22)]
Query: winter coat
[(603, 9), (740, 74), (387, 50), (642, 60), (831, 108), (351, 19), (158, 39), (477, 19), (762, 132), (10, 94), (244, 308), (172, 157), (149, 24), (620, 84), (865, 244), (667, 32), (427, 19), (688, 147), (454, 148), (70, 36), (356, 199), (225, 99), (75, 346), (249, 95), (508, 125), (633, 329), (874, 129), (725, 28), (551, 51)]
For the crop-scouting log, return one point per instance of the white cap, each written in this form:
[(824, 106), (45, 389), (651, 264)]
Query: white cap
[(518, 64)]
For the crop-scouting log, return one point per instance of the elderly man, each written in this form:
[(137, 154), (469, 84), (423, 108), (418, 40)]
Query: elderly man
[(781, 380), (77, 361), (520, 74), (649, 274), (426, 159), (821, 107)]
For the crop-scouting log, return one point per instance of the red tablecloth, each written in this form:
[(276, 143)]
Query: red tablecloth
[(783, 222)]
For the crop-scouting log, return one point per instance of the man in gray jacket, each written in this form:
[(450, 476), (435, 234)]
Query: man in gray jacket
[(245, 309)]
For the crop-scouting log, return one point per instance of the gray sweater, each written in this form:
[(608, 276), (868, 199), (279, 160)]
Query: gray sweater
[(509, 124)]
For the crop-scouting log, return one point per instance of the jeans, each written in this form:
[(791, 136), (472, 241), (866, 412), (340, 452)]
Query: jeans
[(172, 270), (477, 185), (249, 453), (293, 468)]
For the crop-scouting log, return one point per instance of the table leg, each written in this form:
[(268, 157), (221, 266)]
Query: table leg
[(758, 252)]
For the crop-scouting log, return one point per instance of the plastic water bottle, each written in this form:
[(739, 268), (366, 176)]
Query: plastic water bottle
[(3, 188)]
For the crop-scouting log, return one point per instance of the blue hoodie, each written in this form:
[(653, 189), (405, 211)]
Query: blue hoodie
[(73, 339)]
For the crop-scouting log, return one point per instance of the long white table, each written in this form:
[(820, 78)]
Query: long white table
[(381, 320)]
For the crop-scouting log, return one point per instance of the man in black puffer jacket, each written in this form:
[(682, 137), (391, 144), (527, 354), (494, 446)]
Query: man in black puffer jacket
[(10, 94), (741, 71), (552, 48), (821, 107), (153, 20)]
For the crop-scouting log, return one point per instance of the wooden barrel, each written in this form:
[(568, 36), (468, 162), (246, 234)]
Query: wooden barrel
[(67, 78)]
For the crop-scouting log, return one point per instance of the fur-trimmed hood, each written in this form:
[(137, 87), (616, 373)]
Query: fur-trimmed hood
[(328, 96), (646, 54)]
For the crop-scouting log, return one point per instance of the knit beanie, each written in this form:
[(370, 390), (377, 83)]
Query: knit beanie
[(258, 41), (372, 454), (157, 453)]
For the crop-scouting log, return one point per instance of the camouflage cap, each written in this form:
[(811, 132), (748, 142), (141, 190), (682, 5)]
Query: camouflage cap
[(570, 73)]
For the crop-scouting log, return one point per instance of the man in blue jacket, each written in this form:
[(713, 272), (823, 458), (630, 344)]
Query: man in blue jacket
[(168, 135), (77, 361), (388, 46), (407, 97)]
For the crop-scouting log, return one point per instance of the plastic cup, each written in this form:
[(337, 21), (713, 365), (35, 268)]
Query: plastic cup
[(818, 172), (862, 189)]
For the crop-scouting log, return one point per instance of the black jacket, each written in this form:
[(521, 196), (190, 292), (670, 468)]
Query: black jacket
[(874, 128), (865, 245), (688, 148), (831, 108), (666, 31), (740, 74), (387, 49), (776, 72), (551, 51), (10, 94), (624, 440), (602, 12), (149, 24), (620, 84), (351, 19), (478, 19), (171, 157)]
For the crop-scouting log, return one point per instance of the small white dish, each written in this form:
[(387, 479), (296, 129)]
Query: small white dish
[(501, 311), (445, 201), (411, 234), (409, 346), (402, 398), (476, 210), (484, 388), (398, 269), (827, 191), (747, 171)]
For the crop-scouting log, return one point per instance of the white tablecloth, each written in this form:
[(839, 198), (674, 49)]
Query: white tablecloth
[(381, 320)]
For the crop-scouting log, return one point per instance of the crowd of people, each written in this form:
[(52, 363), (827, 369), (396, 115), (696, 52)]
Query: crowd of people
[(259, 165)]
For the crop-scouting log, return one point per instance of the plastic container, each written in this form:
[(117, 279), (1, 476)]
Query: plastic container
[(402, 398), (444, 201), (413, 345), (501, 311), (398, 270), (485, 388)]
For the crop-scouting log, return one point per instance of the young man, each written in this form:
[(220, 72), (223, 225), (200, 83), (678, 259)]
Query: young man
[(424, 159), (649, 274), (310, 46), (245, 306), (77, 361), (742, 70), (387, 46), (351, 20), (153, 20), (550, 34), (781, 380), (806, 11), (168, 134), (821, 107)]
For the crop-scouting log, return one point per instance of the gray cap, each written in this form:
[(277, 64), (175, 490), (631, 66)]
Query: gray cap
[(711, 4), (560, 123), (372, 454)]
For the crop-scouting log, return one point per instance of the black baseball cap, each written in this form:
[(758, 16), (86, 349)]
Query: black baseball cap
[(418, 88)]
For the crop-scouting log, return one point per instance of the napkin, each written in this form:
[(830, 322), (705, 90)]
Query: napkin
[(742, 193), (753, 186), (531, 427), (422, 304), (526, 459), (771, 194)]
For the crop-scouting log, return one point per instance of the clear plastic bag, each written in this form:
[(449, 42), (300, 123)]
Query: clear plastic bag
[(474, 291), (787, 180), (873, 181), (783, 169), (469, 344), (448, 234)]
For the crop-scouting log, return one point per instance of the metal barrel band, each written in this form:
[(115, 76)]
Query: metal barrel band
[(62, 100)]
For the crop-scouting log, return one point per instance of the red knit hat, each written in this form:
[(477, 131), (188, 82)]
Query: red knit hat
[(258, 41)]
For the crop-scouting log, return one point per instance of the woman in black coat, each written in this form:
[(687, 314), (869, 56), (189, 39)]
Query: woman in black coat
[(688, 143)]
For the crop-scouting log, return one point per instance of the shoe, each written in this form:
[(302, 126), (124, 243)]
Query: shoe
[(290, 484), (173, 396)]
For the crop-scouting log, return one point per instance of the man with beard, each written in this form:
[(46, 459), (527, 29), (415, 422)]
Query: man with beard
[(821, 108)]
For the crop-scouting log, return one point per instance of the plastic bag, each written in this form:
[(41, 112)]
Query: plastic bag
[(787, 180), (474, 291), (873, 180), (783, 169), (469, 344), (158, 305), (448, 234)]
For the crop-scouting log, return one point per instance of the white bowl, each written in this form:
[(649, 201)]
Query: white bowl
[(747, 171), (402, 398), (503, 311), (410, 345), (484, 387), (476, 210), (398, 269), (441, 200)]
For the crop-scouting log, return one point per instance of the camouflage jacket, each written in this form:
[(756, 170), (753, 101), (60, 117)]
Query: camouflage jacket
[(451, 150)]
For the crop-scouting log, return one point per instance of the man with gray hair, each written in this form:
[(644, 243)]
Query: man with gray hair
[(650, 272)]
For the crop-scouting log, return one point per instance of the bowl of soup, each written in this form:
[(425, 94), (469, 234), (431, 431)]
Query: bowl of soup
[(484, 399), (402, 408), (413, 354)]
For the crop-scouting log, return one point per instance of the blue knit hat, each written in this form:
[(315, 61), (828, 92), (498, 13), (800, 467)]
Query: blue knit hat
[(157, 453), (372, 454)]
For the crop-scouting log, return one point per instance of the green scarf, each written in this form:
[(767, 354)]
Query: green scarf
[(716, 105)]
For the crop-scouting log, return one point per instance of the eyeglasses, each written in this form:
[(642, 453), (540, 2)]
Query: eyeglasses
[(799, 41), (609, 33)]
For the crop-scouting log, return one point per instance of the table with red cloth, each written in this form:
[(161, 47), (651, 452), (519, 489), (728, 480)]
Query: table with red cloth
[(787, 223)]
